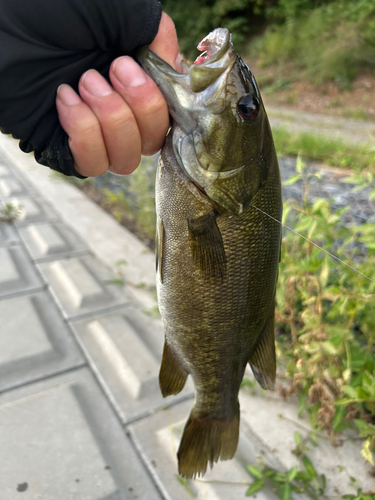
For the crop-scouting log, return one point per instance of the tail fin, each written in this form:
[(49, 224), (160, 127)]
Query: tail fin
[(207, 439)]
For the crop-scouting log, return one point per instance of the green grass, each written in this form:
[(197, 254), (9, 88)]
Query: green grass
[(330, 151)]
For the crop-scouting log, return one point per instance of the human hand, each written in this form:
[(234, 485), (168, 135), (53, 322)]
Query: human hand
[(109, 127)]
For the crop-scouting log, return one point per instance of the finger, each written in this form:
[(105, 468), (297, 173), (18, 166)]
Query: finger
[(145, 100), (118, 123), (165, 44), (85, 136)]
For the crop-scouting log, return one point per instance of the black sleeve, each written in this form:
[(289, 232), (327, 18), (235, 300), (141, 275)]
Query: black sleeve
[(44, 43)]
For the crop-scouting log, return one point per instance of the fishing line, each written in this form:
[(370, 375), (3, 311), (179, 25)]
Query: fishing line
[(315, 244)]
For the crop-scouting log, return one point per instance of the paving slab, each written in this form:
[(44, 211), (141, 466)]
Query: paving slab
[(51, 240), (17, 273), (35, 342), (8, 235), (274, 422), (124, 349), (11, 186), (4, 170), (82, 286), (59, 439), (104, 236), (31, 210)]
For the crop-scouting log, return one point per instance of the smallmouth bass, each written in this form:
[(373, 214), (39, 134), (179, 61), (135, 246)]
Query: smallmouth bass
[(217, 255)]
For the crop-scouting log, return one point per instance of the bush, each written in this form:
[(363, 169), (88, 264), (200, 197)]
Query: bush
[(333, 41), (325, 317), (195, 19)]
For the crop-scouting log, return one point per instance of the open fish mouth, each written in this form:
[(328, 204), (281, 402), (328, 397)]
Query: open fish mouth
[(213, 46)]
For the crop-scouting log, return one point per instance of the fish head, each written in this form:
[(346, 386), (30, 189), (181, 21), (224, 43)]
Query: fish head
[(221, 135)]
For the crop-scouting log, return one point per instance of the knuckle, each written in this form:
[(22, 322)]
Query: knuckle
[(87, 128), (119, 120)]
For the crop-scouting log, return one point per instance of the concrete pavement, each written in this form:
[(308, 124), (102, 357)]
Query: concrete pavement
[(81, 414)]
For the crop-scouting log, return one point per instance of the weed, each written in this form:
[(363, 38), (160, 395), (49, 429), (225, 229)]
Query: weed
[(326, 315), (320, 148), (300, 480), (10, 212), (183, 481)]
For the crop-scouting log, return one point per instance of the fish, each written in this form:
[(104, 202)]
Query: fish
[(217, 254)]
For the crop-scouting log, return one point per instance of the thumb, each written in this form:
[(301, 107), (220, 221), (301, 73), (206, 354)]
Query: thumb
[(165, 44)]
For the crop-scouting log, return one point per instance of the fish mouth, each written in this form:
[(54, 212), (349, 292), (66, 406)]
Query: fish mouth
[(213, 46), (181, 89)]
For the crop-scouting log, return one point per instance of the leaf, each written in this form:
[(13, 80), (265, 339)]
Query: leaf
[(338, 419), (350, 391), (323, 481), (270, 473), (324, 274), (297, 438), (254, 471), (291, 474), (371, 196), (303, 476), (364, 428), (309, 466), (352, 179), (366, 451), (292, 180), (285, 491), (257, 485), (300, 165)]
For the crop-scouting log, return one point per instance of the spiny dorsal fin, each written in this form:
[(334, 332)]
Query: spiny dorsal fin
[(172, 376), (263, 361), (207, 246)]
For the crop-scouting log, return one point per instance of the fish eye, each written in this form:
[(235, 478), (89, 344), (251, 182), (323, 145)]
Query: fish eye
[(248, 107)]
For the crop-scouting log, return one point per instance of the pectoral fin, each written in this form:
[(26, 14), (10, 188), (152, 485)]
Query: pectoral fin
[(263, 361), (172, 376), (207, 246)]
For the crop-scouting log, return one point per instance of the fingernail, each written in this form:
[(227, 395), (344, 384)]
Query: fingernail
[(96, 84), (128, 72), (67, 95)]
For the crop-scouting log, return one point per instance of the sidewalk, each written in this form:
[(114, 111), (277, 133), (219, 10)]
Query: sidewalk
[(81, 414)]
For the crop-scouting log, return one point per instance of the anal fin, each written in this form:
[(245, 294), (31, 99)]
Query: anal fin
[(172, 376), (263, 361), (207, 246)]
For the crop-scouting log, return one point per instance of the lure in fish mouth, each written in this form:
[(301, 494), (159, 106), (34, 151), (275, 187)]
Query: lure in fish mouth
[(217, 256)]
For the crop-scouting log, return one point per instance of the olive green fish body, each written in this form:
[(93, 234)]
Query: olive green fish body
[(217, 251), (212, 326)]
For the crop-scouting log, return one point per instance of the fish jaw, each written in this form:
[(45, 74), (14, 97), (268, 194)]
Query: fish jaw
[(218, 57), (190, 94), (174, 86)]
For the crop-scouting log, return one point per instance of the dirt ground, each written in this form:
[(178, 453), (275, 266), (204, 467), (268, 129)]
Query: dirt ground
[(355, 101)]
